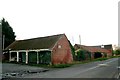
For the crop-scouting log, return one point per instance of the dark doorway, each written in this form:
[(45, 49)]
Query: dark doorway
[(22, 57), (97, 55), (14, 56)]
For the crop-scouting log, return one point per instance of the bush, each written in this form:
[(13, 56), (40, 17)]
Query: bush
[(117, 52), (105, 54), (82, 55)]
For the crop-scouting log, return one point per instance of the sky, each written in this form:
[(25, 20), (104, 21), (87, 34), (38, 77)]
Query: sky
[(96, 21)]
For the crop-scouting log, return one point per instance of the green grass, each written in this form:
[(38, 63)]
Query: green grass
[(49, 66), (61, 65), (39, 65), (81, 62), (100, 59), (97, 59)]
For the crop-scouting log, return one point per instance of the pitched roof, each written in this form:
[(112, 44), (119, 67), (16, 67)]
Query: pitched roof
[(35, 43), (108, 46), (92, 49)]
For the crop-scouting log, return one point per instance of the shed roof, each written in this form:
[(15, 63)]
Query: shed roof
[(108, 46), (92, 49), (35, 43)]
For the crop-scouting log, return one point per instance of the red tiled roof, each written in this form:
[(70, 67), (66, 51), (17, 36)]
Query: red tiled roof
[(92, 49)]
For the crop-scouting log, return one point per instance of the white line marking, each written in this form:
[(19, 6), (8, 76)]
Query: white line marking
[(103, 64), (95, 67)]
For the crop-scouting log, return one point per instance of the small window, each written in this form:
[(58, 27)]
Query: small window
[(59, 46)]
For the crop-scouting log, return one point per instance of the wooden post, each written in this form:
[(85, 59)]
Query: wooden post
[(92, 55), (9, 56), (17, 56), (26, 57)]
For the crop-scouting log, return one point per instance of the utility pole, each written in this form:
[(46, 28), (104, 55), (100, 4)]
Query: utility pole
[(0, 44), (119, 36), (3, 41), (80, 39)]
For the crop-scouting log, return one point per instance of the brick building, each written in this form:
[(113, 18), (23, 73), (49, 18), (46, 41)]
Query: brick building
[(96, 51), (53, 49)]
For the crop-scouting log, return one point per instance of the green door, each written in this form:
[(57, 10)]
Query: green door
[(45, 57), (32, 57)]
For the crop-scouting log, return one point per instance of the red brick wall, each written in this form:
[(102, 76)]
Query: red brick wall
[(110, 53), (63, 54)]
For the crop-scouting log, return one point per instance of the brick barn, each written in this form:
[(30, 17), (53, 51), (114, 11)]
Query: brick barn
[(107, 47), (53, 49), (95, 51)]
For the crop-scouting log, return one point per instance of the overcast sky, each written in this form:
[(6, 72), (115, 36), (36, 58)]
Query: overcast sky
[(96, 21)]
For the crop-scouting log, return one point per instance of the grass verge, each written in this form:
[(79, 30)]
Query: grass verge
[(61, 65)]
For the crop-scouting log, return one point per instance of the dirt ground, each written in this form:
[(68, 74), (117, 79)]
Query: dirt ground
[(17, 70)]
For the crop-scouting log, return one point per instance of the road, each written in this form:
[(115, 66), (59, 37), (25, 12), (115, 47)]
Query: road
[(99, 69)]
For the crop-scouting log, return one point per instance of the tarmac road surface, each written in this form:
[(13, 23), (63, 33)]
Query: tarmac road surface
[(98, 69)]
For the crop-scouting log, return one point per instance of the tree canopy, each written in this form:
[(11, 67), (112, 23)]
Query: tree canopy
[(7, 33), (116, 52)]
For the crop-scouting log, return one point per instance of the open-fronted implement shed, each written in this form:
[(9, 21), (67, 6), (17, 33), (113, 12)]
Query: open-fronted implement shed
[(96, 52), (43, 50)]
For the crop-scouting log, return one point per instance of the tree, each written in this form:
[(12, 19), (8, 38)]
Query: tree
[(7, 33), (116, 52)]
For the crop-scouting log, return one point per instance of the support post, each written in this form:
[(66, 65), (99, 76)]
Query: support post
[(17, 56), (26, 57), (37, 57), (92, 55), (9, 56)]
